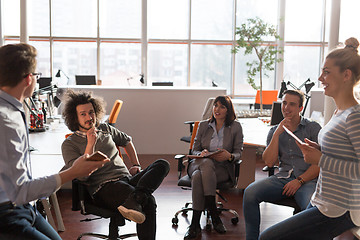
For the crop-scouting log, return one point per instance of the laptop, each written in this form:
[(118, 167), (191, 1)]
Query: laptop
[(44, 83), (85, 79)]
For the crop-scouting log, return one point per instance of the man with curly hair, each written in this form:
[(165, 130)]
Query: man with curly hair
[(128, 191)]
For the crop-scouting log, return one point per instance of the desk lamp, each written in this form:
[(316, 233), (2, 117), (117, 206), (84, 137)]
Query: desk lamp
[(308, 85), (58, 74)]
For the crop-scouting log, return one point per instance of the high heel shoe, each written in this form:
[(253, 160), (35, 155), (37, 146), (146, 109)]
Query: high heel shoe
[(218, 225), (192, 232)]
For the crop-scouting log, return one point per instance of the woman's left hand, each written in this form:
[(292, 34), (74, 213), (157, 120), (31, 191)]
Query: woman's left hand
[(311, 153), (222, 156)]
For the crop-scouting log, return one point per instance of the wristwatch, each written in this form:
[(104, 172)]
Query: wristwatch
[(231, 158)]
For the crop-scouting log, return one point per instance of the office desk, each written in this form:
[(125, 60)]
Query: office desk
[(47, 160), (255, 134)]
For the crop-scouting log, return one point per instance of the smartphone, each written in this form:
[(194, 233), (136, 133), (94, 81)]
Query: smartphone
[(97, 156), (293, 135)]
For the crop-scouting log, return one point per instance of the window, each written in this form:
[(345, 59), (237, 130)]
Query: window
[(187, 42)]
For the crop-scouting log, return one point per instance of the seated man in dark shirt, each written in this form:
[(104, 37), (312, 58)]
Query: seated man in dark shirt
[(114, 186)]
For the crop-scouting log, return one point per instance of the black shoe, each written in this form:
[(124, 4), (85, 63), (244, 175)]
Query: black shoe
[(132, 209), (219, 226), (192, 232)]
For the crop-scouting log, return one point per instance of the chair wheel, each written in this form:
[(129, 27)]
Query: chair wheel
[(208, 227), (175, 221), (235, 220)]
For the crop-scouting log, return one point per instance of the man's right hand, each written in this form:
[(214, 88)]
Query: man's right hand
[(81, 168)]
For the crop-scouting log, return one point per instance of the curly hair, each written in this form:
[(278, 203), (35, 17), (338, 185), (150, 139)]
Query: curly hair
[(73, 99), (230, 115)]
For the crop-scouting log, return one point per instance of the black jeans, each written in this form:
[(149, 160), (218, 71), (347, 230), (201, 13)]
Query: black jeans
[(25, 222), (113, 194)]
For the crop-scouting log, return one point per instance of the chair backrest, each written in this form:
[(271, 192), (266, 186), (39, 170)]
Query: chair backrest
[(208, 109), (268, 97), (115, 112)]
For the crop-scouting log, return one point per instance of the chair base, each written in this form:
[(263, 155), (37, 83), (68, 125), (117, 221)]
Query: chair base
[(220, 209), (103, 236)]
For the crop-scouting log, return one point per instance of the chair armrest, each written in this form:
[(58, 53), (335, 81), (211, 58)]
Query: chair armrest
[(237, 168), (191, 125), (271, 170), (181, 166)]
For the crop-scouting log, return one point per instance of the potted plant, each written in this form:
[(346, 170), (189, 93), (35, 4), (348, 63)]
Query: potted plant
[(251, 36)]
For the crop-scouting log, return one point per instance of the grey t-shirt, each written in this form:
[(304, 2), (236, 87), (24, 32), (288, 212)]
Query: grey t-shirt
[(74, 146)]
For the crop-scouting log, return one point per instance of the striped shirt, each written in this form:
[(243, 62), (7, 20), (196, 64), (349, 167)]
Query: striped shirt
[(338, 186)]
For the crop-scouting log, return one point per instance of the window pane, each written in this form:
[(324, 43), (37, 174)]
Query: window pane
[(120, 18), (43, 57), (120, 64), (265, 9), (39, 18), (176, 13), (74, 18), (242, 87), (167, 63), (301, 63), (210, 63), (11, 17), (349, 9), (303, 20), (75, 58), (212, 19)]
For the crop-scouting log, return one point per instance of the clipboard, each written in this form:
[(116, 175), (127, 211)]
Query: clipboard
[(206, 155), (293, 135)]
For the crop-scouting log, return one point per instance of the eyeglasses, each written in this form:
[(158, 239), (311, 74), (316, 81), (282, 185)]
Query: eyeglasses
[(37, 75)]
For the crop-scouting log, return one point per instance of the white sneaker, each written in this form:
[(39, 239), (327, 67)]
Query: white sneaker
[(132, 215)]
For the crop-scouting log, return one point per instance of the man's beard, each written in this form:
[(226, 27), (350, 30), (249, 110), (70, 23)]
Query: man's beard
[(87, 128)]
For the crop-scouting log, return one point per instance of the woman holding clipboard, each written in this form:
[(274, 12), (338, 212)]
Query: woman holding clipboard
[(335, 206), (218, 143)]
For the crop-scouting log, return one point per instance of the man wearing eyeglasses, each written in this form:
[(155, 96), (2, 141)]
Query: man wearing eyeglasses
[(18, 218)]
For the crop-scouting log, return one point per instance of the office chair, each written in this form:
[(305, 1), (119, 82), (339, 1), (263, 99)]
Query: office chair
[(81, 200), (268, 97), (205, 115), (115, 112), (288, 202), (185, 183)]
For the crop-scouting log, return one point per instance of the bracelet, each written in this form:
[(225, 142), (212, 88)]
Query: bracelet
[(301, 180), (231, 158)]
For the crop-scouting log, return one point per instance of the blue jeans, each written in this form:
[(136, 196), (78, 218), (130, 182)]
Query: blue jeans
[(268, 190), (309, 224), (25, 222)]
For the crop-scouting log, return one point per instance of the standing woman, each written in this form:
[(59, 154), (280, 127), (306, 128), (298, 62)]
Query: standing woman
[(222, 132), (335, 205)]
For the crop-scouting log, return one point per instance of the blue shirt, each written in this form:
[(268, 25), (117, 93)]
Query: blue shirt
[(16, 182), (290, 157)]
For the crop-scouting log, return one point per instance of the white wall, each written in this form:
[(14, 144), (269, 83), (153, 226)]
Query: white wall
[(155, 116)]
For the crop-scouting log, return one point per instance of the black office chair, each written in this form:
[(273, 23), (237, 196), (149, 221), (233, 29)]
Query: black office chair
[(288, 202), (185, 183), (81, 200)]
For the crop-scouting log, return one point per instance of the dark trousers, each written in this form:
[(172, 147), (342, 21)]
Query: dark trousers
[(113, 194), (24, 222)]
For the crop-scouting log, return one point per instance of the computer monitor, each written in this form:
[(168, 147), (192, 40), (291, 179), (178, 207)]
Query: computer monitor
[(44, 83), (85, 79), (169, 84), (276, 114)]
